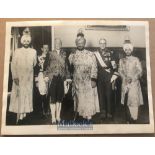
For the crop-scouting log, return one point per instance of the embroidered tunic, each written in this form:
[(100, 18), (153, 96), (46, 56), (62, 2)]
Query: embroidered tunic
[(84, 69), (130, 67), (57, 65), (57, 72)]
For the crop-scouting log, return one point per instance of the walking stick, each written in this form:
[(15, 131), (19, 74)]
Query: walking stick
[(114, 89), (75, 103), (75, 116), (126, 107), (17, 96)]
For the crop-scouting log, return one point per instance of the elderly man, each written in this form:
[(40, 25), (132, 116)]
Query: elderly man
[(23, 61), (84, 67), (107, 74), (130, 71), (57, 72)]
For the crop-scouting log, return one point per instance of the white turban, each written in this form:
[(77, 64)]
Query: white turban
[(80, 38), (127, 46), (25, 37)]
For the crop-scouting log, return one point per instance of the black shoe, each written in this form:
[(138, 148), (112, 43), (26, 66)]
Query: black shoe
[(20, 122), (132, 121), (53, 123)]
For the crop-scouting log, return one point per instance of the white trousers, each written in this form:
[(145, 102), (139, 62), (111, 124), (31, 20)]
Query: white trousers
[(134, 112)]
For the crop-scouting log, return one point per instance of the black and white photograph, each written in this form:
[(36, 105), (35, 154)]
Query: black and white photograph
[(77, 77)]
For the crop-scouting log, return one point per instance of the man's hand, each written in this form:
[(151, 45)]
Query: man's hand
[(129, 80), (66, 86), (69, 81), (16, 81), (113, 78), (46, 79), (93, 84)]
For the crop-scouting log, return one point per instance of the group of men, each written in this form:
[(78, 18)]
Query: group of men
[(91, 74)]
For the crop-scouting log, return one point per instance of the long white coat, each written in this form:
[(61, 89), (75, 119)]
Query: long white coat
[(131, 68), (22, 65), (85, 97)]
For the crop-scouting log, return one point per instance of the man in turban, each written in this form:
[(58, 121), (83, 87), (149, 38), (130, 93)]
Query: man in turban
[(23, 61), (130, 70), (84, 67)]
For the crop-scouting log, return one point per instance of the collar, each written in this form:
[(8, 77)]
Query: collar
[(81, 51), (25, 48)]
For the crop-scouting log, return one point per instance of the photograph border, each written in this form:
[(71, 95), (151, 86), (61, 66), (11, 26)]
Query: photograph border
[(97, 129)]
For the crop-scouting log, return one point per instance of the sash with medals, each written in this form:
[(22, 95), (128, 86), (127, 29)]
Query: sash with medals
[(102, 63), (99, 58)]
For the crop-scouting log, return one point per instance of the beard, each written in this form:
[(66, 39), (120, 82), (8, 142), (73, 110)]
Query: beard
[(128, 54), (80, 48), (26, 45)]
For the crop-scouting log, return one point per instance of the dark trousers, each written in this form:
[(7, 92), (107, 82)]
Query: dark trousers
[(41, 102), (106, 96), (56, 90), (45, 104)]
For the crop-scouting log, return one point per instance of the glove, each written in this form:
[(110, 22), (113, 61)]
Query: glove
[(93, 84), (46, 79), (113, 78), (68, 81), (66, 87)]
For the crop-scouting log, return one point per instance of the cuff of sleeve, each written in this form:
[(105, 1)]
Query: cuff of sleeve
[(116, 73), (93, 79)]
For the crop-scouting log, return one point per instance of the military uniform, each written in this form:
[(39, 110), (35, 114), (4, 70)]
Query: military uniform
[(104, 85)]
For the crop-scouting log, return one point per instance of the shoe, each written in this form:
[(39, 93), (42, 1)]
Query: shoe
[(58, 120), (132, 121), (53, 122), (20, 122)]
